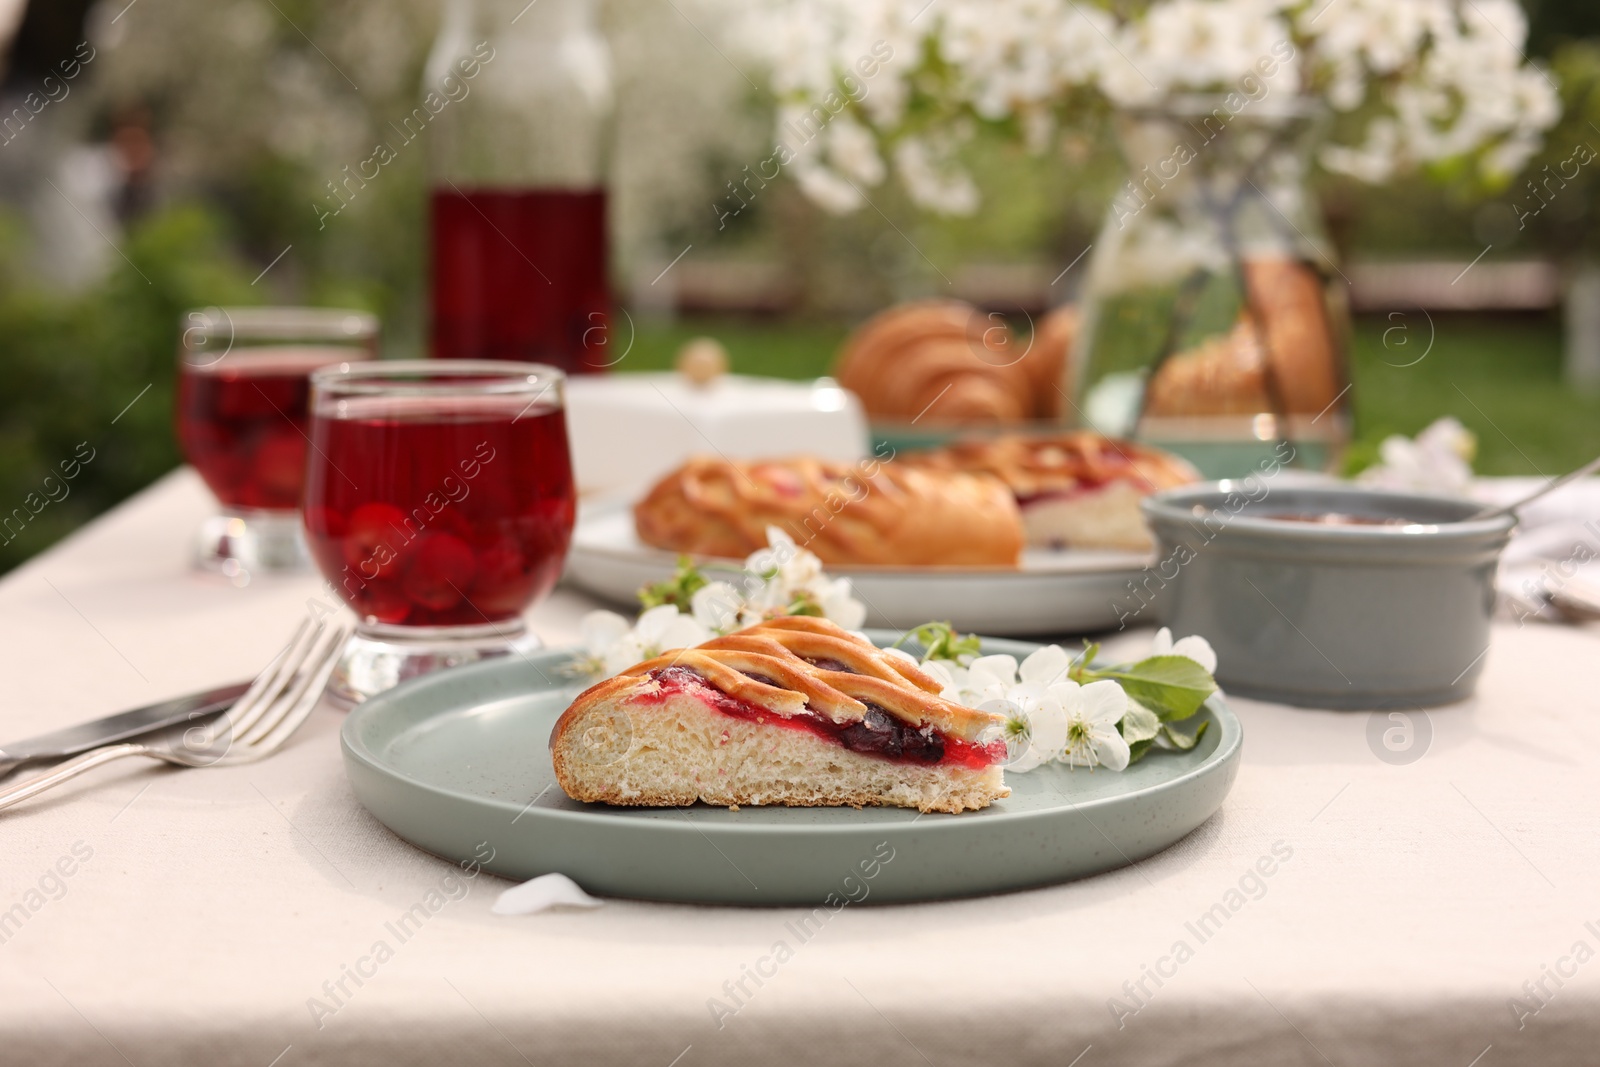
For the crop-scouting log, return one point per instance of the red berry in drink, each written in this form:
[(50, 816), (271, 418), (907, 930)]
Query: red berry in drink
[(440, 571), (375, 539), (380, 600)]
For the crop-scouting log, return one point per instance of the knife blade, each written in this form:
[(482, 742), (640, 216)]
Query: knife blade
[(58, 744)]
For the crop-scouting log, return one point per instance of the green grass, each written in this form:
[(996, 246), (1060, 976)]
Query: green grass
[(1501, 378)]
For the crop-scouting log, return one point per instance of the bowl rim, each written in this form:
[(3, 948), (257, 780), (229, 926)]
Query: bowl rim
[(1174, 506)]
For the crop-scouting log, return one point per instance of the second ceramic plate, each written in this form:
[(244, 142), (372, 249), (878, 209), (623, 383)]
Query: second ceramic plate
[(1052, 593)]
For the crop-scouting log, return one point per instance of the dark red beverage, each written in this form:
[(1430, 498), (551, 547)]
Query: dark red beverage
[(242, 422), (521, 275), (440, 511)]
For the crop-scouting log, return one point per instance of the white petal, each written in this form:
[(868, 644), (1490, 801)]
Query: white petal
[(1102, 703), (986, 670), (1026, 761), (1110, 749), (1048, 724), (778, 539), (545, 891), (1066, 692), (1162, 645), (653, 624), (1198, 649), (716, 605), (599, 630), (1045, 665), (683, 632), (842, 608), (622, 655), (901, 654)]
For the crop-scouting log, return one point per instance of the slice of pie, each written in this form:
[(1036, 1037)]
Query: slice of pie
[(794, 711), (1075, 490)]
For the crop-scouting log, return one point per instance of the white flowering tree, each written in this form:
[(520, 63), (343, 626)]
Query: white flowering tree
[(867, 87)]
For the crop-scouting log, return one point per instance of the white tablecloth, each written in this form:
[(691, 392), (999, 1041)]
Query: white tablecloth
[(1443, 911)]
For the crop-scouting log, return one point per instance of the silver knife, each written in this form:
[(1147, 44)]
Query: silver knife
[(58, 744)]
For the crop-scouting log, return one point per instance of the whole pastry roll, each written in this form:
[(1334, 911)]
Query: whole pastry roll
[(868, 513)]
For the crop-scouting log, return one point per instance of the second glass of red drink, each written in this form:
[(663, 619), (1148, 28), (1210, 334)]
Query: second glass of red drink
[(439, 506), (244, 383)]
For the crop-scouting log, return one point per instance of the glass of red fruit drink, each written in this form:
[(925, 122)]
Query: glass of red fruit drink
[(439, 506), (242, 413)]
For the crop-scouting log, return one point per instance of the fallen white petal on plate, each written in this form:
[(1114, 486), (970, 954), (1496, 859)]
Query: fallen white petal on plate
[(545, 891)]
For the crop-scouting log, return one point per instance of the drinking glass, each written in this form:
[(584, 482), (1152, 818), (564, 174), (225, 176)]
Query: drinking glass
[(439, 506), (244, 388)]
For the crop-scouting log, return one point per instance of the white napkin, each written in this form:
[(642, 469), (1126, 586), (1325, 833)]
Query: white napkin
[(1556, 545), (545, 891)]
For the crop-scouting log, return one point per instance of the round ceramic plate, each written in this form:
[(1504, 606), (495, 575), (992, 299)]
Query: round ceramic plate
[(458, 764), (1062, 592)]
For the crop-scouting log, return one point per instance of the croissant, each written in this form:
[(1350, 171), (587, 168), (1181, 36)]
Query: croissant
[(1225, 375), (1049, 357), (1300, 345), (1228, 375), (936, 362), (871, 513)]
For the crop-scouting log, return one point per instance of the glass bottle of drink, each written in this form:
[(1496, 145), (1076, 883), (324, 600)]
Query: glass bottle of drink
[(517, 211)]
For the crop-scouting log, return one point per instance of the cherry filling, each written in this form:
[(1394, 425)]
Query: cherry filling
[(877, 734)]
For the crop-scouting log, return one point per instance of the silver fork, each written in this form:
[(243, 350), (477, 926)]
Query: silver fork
[(258, 724)]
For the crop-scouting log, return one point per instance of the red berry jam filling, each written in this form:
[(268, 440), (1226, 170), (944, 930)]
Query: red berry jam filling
[(878, 734)]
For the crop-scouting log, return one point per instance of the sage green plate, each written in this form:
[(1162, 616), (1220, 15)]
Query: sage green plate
[(458, 764)]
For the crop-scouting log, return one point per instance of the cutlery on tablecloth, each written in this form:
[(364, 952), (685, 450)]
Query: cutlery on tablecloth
[(192, 710), (263, 718)]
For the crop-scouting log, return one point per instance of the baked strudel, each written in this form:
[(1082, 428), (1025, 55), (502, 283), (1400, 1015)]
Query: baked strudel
[(869, 513)]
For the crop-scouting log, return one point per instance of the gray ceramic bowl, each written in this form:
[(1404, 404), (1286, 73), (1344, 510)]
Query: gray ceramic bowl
[(1328, 616)]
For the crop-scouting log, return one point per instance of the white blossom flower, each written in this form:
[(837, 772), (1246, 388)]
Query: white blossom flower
[(1194, 647), (1036, 726), (614, 646), (1423, 80), (1092, 713), (794, 575), (1438, 461), (717, 606), (1040, 707)]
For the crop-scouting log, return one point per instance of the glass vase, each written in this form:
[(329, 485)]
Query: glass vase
[(1214, 316)]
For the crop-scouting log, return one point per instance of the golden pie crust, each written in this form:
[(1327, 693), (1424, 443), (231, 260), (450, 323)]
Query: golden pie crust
[(871, 513), (1035, 466)]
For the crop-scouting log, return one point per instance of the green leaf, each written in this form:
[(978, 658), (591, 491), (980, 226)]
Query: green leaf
[(1172, 686), (1138, 749), (678, 590), (939, 640), (1181, 741), (1139, 723)]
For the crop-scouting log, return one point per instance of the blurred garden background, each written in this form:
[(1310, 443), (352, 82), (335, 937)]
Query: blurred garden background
[(184, 163)]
